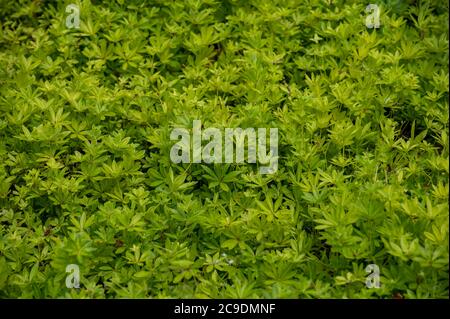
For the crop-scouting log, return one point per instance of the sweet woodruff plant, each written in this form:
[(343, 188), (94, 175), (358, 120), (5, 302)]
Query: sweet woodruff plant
[(90, 92)]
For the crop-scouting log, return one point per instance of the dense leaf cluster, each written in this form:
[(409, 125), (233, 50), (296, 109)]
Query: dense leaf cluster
[(86, 177)]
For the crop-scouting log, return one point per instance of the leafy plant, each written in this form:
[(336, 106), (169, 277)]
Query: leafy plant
[(86, 177)]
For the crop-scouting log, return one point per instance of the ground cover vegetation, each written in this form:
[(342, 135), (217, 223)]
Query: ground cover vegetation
[(86, 177)]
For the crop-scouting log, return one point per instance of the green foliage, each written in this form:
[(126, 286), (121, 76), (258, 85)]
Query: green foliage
[(86, 177)]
